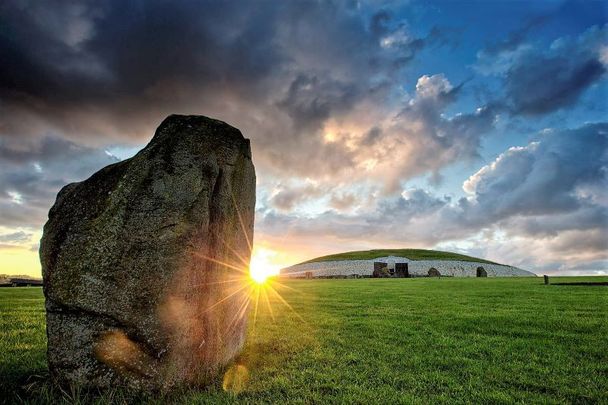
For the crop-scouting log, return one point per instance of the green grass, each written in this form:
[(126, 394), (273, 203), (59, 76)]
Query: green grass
[(425, 340), (413, 254), (22, 338)]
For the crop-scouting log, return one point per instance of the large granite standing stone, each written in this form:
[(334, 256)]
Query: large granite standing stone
[(145, 263)]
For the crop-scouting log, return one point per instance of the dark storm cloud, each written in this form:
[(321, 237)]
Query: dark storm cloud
[(586, 217), (310, 101), (539, 81), (108, 71), (30, 178), (131, 46), (565, 170), (66, 65), (533, 93)]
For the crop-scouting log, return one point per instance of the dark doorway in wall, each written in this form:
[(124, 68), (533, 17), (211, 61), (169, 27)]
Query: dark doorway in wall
[(481, 272), (402, 270), (433, 272), (380, 270), (308, 274)]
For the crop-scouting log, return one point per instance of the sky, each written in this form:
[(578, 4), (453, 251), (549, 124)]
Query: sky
[(474, 127)]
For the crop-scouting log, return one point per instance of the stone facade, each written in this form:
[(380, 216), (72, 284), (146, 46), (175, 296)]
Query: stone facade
[(365, 268)]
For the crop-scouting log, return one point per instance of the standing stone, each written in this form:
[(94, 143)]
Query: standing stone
[(145, 263)]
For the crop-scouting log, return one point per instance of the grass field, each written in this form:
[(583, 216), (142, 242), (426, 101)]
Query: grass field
[(366, 341), (413, 254)]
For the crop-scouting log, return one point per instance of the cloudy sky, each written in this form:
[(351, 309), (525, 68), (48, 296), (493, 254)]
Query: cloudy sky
[(477, 127)]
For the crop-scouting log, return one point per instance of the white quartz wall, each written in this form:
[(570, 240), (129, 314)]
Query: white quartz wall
[(457, 268)]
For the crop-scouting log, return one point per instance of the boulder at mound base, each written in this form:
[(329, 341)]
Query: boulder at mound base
[(145, 263)]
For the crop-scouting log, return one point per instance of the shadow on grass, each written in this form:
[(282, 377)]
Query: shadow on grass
[(39, 389), (586, 284)]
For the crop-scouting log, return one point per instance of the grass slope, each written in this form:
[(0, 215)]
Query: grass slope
[(425, 340), (413, 254)]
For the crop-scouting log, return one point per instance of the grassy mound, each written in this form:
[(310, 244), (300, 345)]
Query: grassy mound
[(413, 254)]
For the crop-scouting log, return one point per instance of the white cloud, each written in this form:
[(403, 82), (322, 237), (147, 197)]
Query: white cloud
[(15, 197), (433, 86)]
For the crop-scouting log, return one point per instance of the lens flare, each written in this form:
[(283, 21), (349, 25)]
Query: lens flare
[(236, 379)]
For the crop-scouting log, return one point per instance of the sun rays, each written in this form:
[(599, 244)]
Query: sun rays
[(255, 284)]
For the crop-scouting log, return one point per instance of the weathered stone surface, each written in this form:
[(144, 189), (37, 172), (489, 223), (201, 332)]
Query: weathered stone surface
[(145, 262)]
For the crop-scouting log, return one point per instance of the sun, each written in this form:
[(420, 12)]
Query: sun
[(261, 266), (258, 274)]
